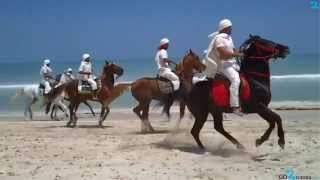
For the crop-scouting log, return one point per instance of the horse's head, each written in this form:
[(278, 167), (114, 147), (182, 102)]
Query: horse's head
[(258, 48), (112, 69), (190, 62)]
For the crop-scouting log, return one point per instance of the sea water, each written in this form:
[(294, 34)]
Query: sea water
[(295, 81)]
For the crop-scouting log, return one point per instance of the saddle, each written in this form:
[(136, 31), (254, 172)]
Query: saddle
[(220, 93), (85, 87), (164, 84)]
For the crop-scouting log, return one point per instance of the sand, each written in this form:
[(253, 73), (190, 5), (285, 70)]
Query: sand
[(47, 150)]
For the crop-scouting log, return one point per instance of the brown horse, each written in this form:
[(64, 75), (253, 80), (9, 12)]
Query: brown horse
[(203, 98), (106, 94), (146, 89)]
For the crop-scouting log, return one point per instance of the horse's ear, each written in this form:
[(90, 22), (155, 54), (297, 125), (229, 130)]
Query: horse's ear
[(107, 62), (190, 51)]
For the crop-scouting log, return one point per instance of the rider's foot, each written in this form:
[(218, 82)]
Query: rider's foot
[(237, 111)]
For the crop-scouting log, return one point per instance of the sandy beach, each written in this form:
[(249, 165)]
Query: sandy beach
[(44, 149)]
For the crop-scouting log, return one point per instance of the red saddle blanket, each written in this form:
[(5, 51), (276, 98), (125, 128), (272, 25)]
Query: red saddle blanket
[(220, 91)]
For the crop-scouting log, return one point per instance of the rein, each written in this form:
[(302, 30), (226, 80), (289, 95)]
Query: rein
[(264, 58)]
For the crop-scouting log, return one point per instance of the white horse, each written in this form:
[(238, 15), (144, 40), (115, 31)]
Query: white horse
[(32, 95)]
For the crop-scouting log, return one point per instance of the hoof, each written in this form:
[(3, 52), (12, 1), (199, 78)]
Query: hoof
[(258, 142), (281, 144), (240, 146)]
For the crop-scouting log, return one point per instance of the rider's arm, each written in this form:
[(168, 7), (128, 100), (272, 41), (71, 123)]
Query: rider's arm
[(225, 54), (169, 61), (81, 70)]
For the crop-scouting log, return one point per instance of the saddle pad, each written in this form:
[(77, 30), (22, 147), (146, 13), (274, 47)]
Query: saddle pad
[(165, 86), (221, 94), (84, 87)]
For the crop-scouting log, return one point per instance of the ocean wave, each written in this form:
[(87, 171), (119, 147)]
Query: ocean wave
[(273, 77), (295, 104), (16, 86), (296, 77)]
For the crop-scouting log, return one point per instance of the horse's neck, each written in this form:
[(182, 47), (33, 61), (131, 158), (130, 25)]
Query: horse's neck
[(107, 80), (257, 70)]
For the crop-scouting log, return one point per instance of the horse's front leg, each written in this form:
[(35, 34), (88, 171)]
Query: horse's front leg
[(75, 119), (71, 110), (102, 113), (272, 118), (218, 125)]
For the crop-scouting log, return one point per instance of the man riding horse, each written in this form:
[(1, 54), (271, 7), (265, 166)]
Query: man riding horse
[(86, 73), (46, 73), (163, 62), (220, 58)]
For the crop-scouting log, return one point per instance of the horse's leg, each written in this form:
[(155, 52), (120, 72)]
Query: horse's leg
[(218, 125), (63, 107), (200, 119), (145, 118), (182, 112), (272, 118), (167, 106), (52, 111), (34, 100), (75, 115), (107, 109), (89, 106), (71, 109), (27, 115), (137, 110), (102, 112)]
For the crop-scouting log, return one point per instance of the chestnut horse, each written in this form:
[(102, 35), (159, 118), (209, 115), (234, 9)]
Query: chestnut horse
[(146, 89), (255, 69), (106, 94)]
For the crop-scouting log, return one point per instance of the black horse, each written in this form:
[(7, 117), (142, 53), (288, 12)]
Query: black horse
[(255, 93)]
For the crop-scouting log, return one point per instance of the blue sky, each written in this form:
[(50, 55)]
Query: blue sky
[(63, 30)]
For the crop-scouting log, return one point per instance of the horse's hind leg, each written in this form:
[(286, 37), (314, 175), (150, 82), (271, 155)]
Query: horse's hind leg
[(182, 112), (272, 118), (200, 119), (167, 106), (146, 125), (137, 110), (218, 125)]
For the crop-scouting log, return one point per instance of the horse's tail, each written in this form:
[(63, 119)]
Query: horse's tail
[(117, 91), (19, 93)]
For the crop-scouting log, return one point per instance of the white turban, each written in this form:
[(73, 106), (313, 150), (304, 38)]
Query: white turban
[(46, 61), (69, 70), (85, 56), (224, 24), (164, 41)]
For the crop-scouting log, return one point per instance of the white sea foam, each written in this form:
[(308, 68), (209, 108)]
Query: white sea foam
[(296, 77), (295, 104), (16, 86)]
